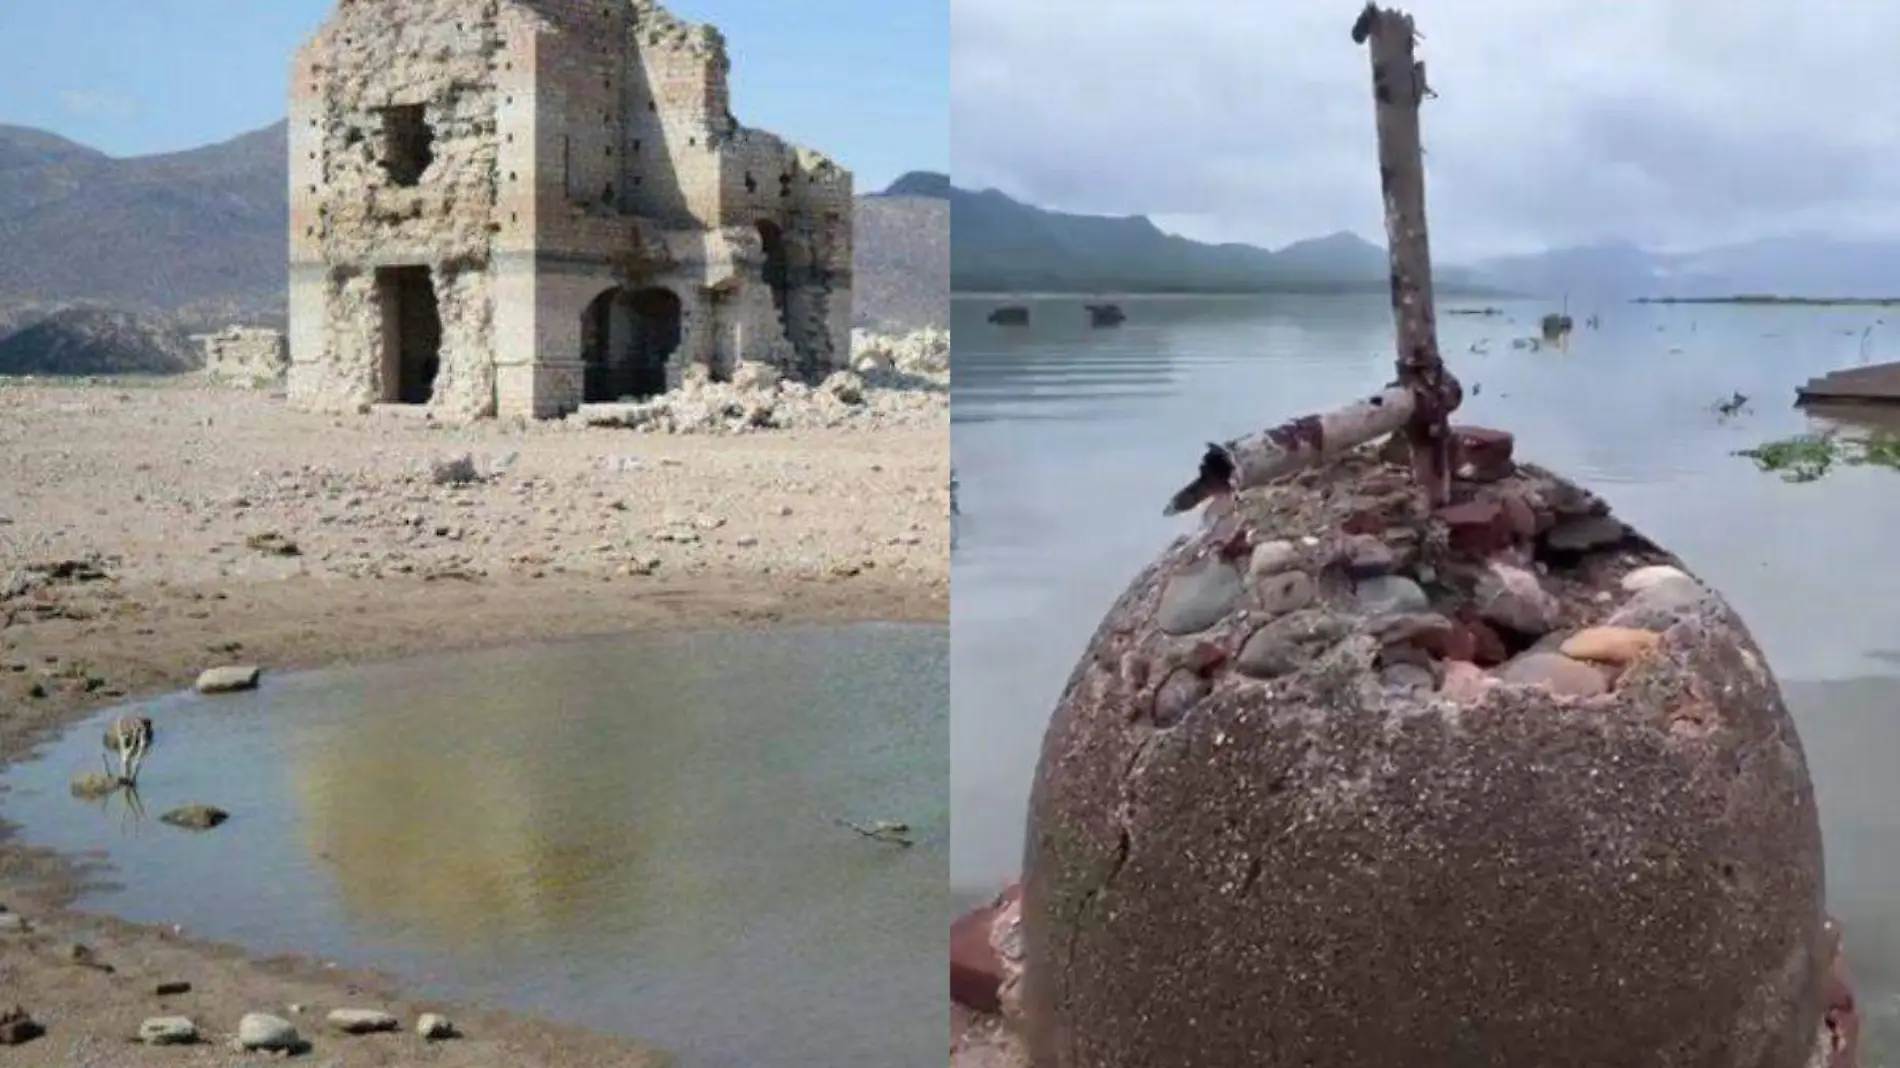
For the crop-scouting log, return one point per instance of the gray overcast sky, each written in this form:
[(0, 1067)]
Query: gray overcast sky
[(1675, 123)]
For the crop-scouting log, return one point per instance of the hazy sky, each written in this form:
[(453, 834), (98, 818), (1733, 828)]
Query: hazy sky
[(866, 81), (1670, 122)]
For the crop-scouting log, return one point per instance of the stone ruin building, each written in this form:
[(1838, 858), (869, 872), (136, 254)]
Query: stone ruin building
[(244, 356), (518, 207)]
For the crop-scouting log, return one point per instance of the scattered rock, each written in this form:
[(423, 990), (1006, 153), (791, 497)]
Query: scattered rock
[(231, 679), (1477, 529), (1196, 600), (1283, 645), (1388, 595), (362, 1021), (457, 471), (1586, 533), (12, 923), (434, 1027), (1660, 604), (93, 785), (1644, 577), (195, 817), (1465, 682), (976, 969), (1611, 645), (262, 1031), (1271, 558), (1513, 597), (1368, 557), (17, 1028), (272, 543), (1286, 592), (1555, 672), (168, 1031), (1483, 455)]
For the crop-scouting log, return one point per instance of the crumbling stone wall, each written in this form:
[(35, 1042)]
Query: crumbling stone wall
[(591, 217), (245, 356)]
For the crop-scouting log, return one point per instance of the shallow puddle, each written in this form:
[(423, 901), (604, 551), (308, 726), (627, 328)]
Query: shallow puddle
[(638, 834)]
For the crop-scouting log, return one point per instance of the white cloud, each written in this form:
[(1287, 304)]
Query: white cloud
[(1669, 122)]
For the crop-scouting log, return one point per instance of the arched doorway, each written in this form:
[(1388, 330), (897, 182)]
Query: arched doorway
[(626, 338), (778, 269)]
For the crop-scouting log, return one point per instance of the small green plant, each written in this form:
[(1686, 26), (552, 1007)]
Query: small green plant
[(1809, 457)]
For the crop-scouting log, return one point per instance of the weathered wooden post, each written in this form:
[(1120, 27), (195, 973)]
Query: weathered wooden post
[(1398, 89), (1423, 394)]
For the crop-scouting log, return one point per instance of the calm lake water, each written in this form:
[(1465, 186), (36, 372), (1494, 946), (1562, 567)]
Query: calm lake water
[(1067, 441), (635, 834)]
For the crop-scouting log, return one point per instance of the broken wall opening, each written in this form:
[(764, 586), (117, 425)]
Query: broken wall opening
[(412, 334), (408, 143), (778, 271), (627, 336)]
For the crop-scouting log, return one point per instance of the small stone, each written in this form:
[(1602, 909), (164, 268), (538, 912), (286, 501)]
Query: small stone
[(1286, 592), (92, 785), (976, 969), (1407, 678), (1283, 645), (1466, 682), (1271, 558), (18, 1028), (261, 1030), (12, 923), (1644, 577), (1522, 517), (1513, 597), (1177, 695), (1368, 557), (1476, 529), (1611, 645), (1660, 605), (229, 679), (168, 1031), (1483, 455), (1585, 533), (1196, 600), (195, 817), (1391, 595), (1555, 672), (362, 1021), (434, 1027)]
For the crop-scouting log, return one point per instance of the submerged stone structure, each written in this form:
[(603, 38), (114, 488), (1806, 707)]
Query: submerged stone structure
[(1344, 779), (517, 207)]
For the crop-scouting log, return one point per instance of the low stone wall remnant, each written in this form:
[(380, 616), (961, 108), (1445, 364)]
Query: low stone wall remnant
[(256, 357)]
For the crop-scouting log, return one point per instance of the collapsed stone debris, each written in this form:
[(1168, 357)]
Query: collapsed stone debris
[(523, 207)]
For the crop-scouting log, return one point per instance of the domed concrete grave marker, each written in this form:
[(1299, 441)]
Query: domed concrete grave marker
[(1515, 790)]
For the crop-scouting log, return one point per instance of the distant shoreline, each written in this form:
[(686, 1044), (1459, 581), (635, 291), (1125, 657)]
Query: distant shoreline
[(1203, 294), (1766, 299)]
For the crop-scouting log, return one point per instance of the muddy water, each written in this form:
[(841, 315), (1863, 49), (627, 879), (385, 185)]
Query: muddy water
[(636, 834), (1067, 441)]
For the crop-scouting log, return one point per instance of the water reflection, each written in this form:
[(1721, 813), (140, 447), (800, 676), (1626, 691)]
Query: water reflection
[(621, 832)]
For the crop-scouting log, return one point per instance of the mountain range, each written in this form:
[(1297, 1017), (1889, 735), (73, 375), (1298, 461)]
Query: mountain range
[(199, 237), (1005, 245)]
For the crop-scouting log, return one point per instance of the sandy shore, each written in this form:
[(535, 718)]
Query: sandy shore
[(150, 531)]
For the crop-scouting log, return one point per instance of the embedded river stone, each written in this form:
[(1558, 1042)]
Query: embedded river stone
[(1375, 831), (1198, 599)]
